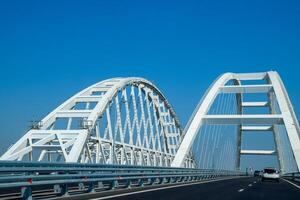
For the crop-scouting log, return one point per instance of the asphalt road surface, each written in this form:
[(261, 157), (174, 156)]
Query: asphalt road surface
[(241, 188)]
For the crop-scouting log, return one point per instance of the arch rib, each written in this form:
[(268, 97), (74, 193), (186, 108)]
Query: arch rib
[(159, 139), (82, 143), (197, 119), (289, 118), (274, 86)]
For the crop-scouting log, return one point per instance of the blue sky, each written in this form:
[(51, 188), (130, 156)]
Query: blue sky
[(51, 49)]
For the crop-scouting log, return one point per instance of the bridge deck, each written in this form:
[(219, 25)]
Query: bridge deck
[(231, 189)]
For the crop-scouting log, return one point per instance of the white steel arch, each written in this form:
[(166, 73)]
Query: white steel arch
[(116, 121), (129, 121), (254, 122)]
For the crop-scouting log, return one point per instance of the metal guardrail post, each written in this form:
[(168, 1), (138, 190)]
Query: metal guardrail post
[(160, 180), (61, 189), (100, 184), (173, 179), (64, 191), (81, 186), (128, 184), (168, 180), (141, 182), (26, 193), (91, 187), (113, 184), (152, 181)]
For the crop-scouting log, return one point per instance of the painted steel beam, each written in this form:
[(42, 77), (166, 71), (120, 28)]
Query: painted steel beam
[(46, 147), (242, 119), (63, 132), (73, 113), (246, 89), (289, 116), (258, 152), (255, 104), (87, 98), (257, 128), (250, 76)]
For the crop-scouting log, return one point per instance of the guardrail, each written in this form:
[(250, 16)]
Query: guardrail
[(24, 177), (293, 176)]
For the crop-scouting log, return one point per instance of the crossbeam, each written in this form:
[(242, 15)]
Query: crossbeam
[(87, 98), (242, 119), (250, 76), (73, 113), (246, 88), (257, 128), (258, 152), (255, 104)]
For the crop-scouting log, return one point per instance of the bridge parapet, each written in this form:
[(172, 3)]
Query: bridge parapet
[(57, 177)]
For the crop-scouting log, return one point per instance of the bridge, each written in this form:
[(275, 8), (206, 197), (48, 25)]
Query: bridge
[(120, 138)]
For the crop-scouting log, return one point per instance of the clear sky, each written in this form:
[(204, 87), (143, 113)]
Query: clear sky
[(51, 49)]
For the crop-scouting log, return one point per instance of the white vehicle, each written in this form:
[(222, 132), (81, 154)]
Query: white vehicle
[(270, 174)]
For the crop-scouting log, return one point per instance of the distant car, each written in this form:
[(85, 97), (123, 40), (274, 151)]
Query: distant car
[(270, 174), (256, 173)]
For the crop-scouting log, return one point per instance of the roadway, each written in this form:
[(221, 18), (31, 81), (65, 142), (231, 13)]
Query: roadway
[(240, 188), (234, 188)]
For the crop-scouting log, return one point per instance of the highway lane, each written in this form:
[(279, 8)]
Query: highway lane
[(242, 188), (234, 188)]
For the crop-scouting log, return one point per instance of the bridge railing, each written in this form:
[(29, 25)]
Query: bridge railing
[(292, 176), (26, 177)]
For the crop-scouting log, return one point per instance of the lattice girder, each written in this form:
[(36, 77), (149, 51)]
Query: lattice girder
[(116, 121)]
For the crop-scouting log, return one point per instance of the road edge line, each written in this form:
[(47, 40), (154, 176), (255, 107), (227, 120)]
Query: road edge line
[(161, 188), (294, 184)]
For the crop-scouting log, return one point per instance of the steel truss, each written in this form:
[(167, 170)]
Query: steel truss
[(128, 121), (124, 121)]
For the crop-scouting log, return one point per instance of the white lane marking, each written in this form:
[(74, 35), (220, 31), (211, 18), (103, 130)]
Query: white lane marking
[(250, 185), (254, 182), (155, 189), (297, 186), (241, 190)]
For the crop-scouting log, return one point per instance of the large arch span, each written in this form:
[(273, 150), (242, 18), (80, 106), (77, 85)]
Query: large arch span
[(129, 121), (280, 113), (116, 121)]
